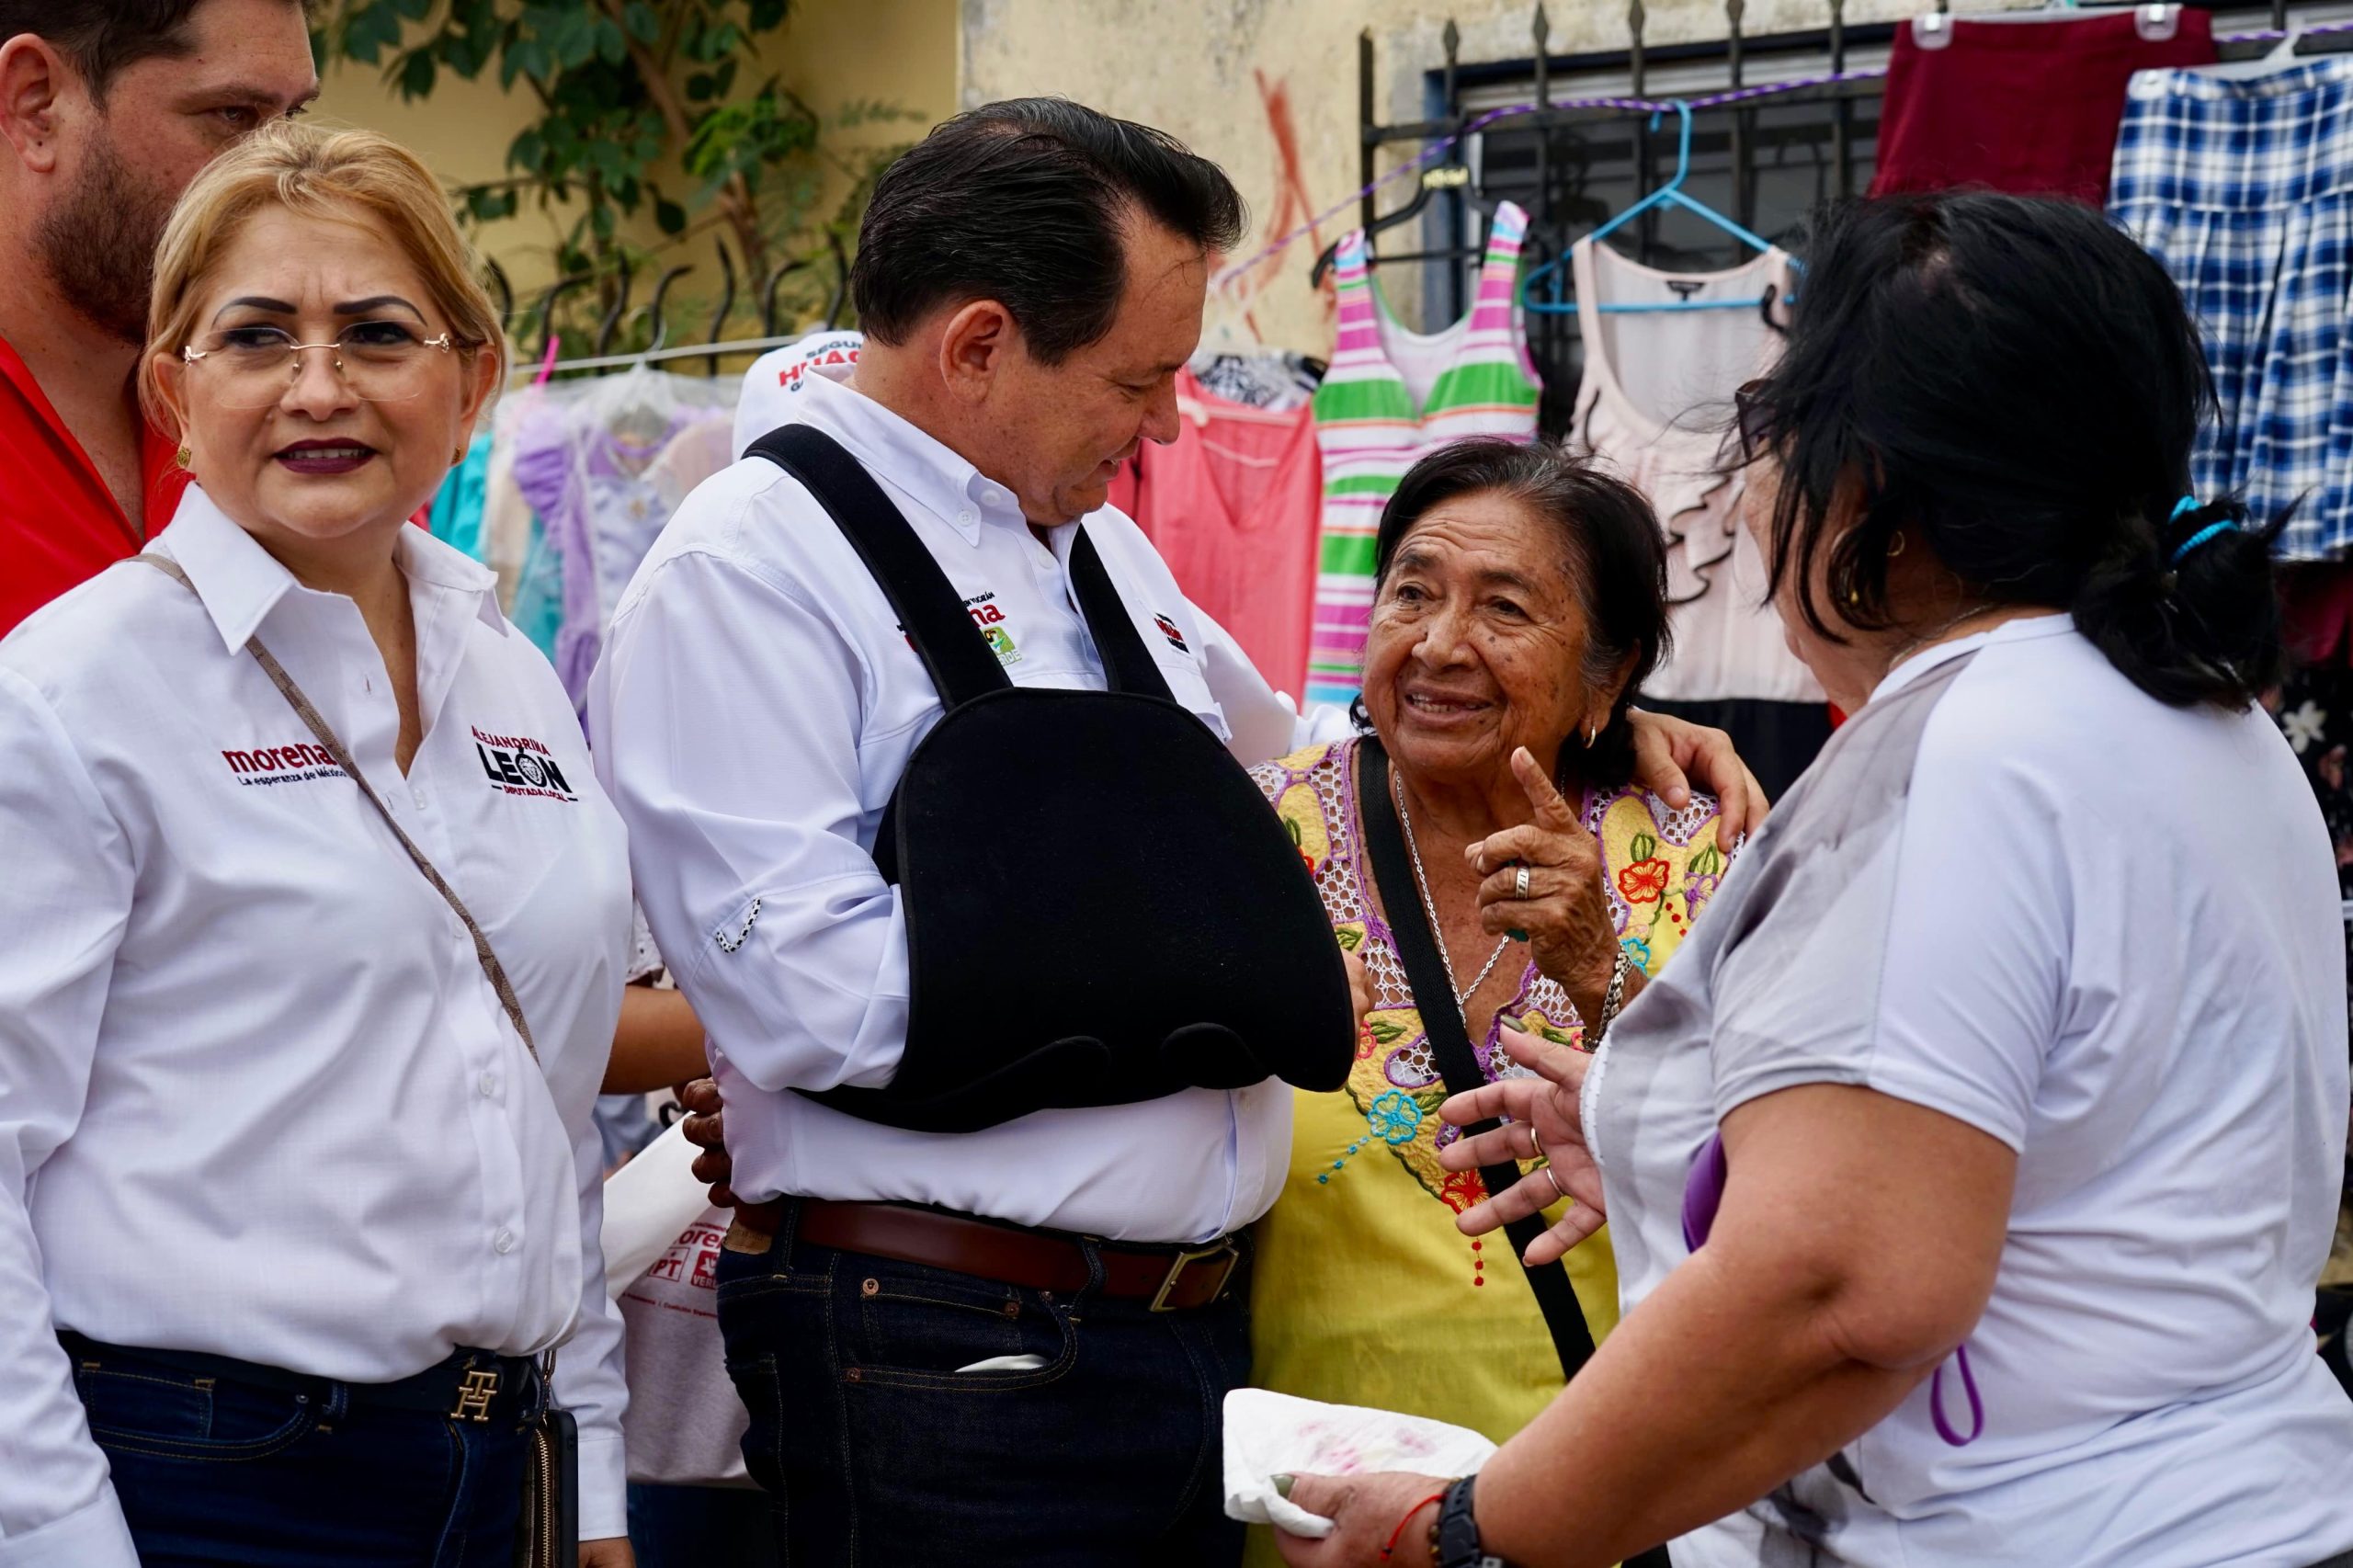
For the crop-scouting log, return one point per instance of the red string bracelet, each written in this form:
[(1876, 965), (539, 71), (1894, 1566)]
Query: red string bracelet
[(1394, 1535)]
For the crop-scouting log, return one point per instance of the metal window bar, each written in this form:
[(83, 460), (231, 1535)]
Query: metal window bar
[(1765, 160)]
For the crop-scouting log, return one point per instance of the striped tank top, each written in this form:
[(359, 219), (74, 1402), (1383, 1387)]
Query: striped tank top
[(1479, 383)]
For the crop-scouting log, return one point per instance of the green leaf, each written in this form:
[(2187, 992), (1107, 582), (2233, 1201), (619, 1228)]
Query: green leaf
[(643, 25), (575, 44), (701, 87), (670, 216), (766, 15), (414, 10), (417, 74), (610, 43), (527, 152), (601, 216)]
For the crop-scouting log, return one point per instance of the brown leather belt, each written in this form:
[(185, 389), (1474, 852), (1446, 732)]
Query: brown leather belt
[(1173, 1278)]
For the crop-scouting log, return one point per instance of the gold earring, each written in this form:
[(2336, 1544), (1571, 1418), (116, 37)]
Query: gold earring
[(183, 457), (456, 456), (1896, 546), (1592, 733)]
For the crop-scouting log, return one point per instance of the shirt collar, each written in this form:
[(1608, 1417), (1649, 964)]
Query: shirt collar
[(2024, 628), (241, 583), (910, 457)]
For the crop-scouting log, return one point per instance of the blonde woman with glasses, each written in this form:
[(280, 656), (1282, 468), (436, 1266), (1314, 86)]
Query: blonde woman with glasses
[(312, 949)]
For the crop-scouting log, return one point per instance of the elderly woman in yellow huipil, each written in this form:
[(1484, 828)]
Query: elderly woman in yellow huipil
[(1520, 601)]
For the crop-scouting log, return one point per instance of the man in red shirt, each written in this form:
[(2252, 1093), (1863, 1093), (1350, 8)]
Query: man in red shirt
[(109, 108)]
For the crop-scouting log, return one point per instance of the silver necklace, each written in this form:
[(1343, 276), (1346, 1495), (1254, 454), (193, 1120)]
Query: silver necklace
[(1461, 998)]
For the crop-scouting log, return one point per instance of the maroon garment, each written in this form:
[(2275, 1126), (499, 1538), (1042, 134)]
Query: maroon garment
[(2029, 108)]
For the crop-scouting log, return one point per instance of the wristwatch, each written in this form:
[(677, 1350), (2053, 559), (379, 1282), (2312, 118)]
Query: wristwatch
[(1458, 1532)]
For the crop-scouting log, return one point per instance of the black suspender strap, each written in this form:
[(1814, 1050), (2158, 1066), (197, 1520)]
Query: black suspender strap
[(960, 660), (962, 664), (1127, 664), (1401, 902)]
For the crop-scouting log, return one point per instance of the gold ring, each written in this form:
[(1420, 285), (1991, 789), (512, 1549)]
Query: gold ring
[(1553, 1176), (1532, 1138)]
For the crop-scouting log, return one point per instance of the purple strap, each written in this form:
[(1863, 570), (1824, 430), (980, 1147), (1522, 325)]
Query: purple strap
[(1703, 1192), (1976, 1406)]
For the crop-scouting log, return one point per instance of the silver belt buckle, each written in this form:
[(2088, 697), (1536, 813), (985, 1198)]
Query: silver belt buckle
[(1224, 1249)]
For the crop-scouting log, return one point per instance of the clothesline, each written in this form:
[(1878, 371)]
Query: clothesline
[(681, 351), (1726, 98)]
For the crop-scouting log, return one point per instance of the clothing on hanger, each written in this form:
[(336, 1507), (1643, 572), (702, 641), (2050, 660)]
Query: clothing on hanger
[(456, 510), (2243, 187), (508, 528), (1233, 505), (587, 461), (1278, 380), (1651, 409), (1391, 396), (2029, 108)]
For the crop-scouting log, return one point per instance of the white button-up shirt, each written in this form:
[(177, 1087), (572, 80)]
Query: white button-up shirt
[(256, 1097), (756, 706)]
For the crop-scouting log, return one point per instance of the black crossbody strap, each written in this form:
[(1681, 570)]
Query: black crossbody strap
[(1392, 874), (962, 664), (1127, 664)]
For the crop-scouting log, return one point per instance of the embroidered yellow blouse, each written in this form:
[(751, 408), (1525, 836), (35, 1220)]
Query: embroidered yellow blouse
[(1365, 1292)]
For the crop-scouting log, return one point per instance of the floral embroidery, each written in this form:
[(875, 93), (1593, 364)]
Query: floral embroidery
[(1395, 1116), (1661, 866), (1644, 880), (1463, 1190)]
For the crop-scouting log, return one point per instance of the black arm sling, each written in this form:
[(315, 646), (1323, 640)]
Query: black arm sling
[(1100, 906), (1409, 928)]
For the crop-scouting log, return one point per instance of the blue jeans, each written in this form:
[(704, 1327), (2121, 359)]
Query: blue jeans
[(217, 1473), (700, 1526), (876, 1452)]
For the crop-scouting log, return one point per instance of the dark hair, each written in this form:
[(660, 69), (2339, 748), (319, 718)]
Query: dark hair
[(2020, 384), (1615, 560), (1027, 202), (101, 37)]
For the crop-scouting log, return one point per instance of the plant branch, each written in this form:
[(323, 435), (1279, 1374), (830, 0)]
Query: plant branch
[(736, 198)]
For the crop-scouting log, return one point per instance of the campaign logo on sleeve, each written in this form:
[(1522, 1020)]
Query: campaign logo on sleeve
[(1168, 630), (517, 764)]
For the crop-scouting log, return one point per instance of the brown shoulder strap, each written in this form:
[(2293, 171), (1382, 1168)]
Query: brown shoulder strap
[(332, 746)]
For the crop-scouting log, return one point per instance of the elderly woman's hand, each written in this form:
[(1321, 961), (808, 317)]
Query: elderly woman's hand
[(1545, 1108), (1563, 913), (1668, 752)]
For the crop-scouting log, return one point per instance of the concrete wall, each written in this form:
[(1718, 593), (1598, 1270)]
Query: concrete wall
[(1268, 88), (833, 52)]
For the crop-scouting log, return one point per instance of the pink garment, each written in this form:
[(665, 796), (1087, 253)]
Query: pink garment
[(1232, 506)]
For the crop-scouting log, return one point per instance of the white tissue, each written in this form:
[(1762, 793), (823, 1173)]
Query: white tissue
[(1269, 1434)]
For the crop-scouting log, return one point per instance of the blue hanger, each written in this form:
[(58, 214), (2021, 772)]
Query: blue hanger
[(1671, 194)]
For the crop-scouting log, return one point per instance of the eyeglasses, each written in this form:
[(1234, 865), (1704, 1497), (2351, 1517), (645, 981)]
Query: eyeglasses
[(254, 367)]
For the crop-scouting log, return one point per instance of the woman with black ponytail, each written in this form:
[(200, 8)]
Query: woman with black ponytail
[(1969, 1169)]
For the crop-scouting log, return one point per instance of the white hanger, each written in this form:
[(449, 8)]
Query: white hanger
[(2155, 23), (2283, 57)]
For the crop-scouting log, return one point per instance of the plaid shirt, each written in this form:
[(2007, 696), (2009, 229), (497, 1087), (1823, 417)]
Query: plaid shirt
[(2245, 190)]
